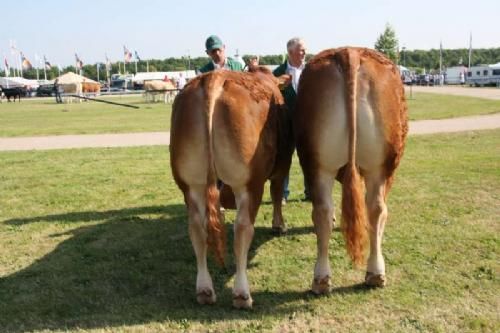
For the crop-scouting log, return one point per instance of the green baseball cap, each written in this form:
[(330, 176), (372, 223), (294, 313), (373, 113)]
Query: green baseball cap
[(213, 42)]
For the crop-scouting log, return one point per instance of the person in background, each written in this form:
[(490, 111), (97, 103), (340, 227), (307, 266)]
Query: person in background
[(253, 61), (216, 50), (58, 90), (288, 74), (181, 82)]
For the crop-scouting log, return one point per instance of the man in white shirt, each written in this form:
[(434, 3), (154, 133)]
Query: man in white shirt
[(288, 74), (181, 82)]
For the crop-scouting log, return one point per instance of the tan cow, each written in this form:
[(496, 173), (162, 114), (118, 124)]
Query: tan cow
[(91, 88), (350, 124), (231, 126), (155, 88)]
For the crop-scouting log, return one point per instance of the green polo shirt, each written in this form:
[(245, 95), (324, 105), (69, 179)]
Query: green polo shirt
[(232, 64)]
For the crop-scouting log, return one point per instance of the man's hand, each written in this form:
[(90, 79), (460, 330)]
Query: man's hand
[(284, 80)]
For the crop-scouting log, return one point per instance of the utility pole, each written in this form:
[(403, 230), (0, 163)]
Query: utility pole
[(37, 61), (470, 49)]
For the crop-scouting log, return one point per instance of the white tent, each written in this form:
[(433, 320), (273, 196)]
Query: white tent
[(9, 82), (70, 77), (403, 69), (147, 76)]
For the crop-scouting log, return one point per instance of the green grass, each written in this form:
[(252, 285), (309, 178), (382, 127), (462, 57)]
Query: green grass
[(96, 240), (45, 117), (434, 106)]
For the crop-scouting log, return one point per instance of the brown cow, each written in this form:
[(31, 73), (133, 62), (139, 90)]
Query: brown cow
[(91, 87), (230, 126), (155, 88), (350, 124)]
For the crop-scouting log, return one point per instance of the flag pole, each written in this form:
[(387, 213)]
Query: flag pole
[(470, 49), (20, 63), (440, 57), (37, 61), (45, 68)]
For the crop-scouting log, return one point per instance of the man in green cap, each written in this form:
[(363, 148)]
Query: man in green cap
[(216, 50)]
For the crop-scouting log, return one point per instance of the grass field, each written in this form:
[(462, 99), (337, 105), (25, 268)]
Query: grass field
[(423, 106), (96, 240), (44, 117)]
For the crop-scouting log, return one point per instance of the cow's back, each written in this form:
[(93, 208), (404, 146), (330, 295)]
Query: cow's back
[(236, 114), (321, 119)]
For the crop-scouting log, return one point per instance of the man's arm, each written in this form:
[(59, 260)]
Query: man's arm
[(207, 68), (283, 78)]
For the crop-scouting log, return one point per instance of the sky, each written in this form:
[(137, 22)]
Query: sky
[(161, 29)]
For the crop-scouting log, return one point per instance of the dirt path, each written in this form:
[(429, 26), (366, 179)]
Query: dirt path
[(488, 93), (163, 138), (85, 141)]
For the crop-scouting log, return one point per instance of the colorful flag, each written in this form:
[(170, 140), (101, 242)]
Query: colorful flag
[(127, 54), (137, 56), (79, 62), (26, 63), (48, 66)]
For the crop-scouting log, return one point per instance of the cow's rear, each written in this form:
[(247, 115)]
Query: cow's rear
[(350, 124)]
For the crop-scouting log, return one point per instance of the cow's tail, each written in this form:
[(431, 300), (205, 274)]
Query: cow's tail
[(353, 197), (216, 234)]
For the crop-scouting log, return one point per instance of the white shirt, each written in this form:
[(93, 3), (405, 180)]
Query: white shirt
[(226, 65), (295, 72), (181, 82)]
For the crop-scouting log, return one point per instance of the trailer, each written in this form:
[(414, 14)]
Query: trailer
[(452, 75), (484, 75)]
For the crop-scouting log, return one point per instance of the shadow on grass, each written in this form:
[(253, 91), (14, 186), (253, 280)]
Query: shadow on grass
[(128, 270)]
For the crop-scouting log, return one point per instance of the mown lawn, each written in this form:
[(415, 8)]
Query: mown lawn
[(424, 106), (96, 240), (45, 117)]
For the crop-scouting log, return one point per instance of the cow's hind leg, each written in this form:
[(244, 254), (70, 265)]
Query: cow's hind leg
[(377, 214), (248, 205), (205, 293), (321, 192)]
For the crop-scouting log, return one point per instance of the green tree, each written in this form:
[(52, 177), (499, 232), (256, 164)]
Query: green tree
[(387, 43)]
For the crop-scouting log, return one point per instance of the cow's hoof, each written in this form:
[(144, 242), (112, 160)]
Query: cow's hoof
[(242, 301), (279, 230), (321, 286), (206, 296), (375, 280)]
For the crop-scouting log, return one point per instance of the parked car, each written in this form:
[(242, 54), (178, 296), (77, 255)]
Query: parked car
[(45, 90), (424, 80)]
